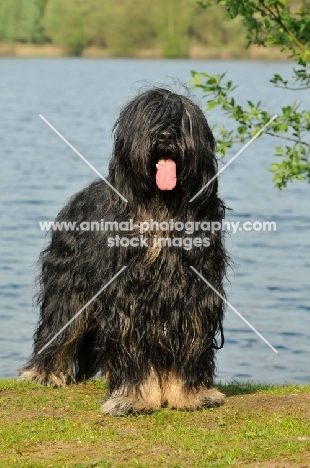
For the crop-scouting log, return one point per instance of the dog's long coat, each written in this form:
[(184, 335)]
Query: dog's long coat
[(153, 332)]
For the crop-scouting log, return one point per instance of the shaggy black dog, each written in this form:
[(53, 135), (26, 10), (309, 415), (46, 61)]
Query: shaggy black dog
[(152, 333)]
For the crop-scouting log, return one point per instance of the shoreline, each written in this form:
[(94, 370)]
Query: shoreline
[(196, 52)]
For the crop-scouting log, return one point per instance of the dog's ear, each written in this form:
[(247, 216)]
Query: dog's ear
[(200, 163), (135, 133)]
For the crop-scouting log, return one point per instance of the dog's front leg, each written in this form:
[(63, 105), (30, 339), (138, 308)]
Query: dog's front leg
[(134, 398)]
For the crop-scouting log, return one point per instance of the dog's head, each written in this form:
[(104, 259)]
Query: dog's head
[(163, 142)]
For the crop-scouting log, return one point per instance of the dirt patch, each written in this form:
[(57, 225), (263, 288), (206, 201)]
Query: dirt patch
[(289, 404), (297, 461)]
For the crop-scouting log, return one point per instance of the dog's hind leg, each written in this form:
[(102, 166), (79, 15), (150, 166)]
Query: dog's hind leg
[(57, 374), (66, 286), (55, 365), (60, 330)]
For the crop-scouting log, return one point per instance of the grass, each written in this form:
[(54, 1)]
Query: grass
[(259, 426)]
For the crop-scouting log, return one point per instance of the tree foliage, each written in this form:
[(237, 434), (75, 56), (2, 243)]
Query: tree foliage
[(76, 24), (276, 23), (127, 28), (20, 20)]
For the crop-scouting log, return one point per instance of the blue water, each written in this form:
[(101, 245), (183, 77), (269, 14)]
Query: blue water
[(270, 286)]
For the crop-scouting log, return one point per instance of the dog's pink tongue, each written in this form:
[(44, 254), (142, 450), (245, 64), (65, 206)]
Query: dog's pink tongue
[(166, 175)]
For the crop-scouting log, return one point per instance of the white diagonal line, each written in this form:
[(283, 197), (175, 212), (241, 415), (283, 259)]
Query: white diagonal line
[(80, 311), (235, 310), (82, 157), (232, 159)]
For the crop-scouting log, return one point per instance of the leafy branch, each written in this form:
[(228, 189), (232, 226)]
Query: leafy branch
[(268, 23)]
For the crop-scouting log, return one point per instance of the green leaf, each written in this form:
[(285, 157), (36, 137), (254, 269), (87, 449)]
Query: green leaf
[(211, 105)]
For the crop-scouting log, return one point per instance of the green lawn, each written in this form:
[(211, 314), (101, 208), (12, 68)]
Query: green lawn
[(259, 426)]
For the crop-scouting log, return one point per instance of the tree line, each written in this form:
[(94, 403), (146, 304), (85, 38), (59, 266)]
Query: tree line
[(122, 27)]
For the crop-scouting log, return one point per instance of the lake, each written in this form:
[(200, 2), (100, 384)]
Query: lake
[(270, 285)]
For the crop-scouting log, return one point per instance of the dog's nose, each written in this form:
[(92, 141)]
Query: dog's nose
[(165, 136)]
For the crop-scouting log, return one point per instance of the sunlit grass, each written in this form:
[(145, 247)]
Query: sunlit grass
[(42, 426)]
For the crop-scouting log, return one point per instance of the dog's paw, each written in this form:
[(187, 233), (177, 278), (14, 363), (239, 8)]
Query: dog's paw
[(121, 405), (211, 398), (117, 406), (195, 399), (50, 379)]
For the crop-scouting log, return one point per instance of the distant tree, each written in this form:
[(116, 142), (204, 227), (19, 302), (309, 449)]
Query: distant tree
[(169, 27), (131, 27), (209, 29), (273, 23), (64, 24), (20, 21), (75, 24), (173, 18)]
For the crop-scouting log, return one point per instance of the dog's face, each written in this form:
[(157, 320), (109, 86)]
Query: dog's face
[(163, 142)]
